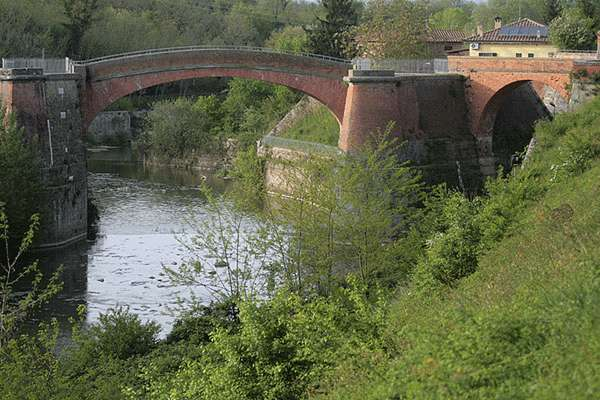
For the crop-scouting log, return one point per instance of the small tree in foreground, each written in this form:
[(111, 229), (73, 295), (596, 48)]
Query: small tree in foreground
[(13, 309)]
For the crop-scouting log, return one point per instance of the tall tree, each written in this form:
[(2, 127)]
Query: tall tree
[(80, 15), (573, 30), (396, 29), (552, 9), (332, 34)]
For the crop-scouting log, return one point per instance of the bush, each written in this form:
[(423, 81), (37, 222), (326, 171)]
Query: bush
[(183, 128), (197, 325), (453, 250), (118, 334)]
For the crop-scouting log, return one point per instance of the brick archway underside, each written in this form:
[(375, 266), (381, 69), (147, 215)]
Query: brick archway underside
[(109, 80), (489, 89)]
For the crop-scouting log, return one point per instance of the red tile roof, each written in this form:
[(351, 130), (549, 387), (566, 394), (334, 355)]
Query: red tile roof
[(523, 30), (445, 35)]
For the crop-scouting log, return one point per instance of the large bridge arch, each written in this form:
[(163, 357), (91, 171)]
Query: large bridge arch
[(108, 79), (523, 97)]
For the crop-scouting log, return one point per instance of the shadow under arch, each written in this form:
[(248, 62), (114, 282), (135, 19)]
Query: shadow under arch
[(509, 117)]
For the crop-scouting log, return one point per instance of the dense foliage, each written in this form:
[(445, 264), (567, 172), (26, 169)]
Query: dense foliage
[(573, 30), (184, 128), (332, 35), (491, 297), (92, 28)]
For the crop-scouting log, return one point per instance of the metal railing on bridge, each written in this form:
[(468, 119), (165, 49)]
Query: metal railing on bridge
[(403, 66), (49, 65), (210, 48)]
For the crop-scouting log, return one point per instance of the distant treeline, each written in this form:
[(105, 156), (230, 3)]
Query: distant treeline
[(91, 28)]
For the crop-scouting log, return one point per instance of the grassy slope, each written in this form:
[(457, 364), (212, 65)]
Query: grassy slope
[(319, 126), (527, 323)]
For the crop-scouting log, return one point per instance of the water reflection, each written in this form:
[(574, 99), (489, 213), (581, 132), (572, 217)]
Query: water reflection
[(143, 215)]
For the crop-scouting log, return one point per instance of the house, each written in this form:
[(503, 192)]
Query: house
[(441, 42), (522, 38)]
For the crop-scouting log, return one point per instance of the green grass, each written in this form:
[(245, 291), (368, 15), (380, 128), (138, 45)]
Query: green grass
[(526, 325), (319, 126)]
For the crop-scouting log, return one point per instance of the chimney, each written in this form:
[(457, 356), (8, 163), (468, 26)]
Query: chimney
[(479, 30), (497, 22)]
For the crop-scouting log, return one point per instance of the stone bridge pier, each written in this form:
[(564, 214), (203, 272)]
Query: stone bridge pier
[(48, 107)]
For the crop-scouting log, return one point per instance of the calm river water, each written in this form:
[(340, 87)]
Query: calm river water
[(143, 214)]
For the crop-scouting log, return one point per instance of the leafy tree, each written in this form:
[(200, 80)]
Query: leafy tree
[(332, 35), (182, 128), (30, 28), (395, 29), (80, 15), (573, 31), (591, 9), (14, 311), (552, 10), (290, 38), (450, 18)]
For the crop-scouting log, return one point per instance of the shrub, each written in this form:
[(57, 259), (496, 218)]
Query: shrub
[(197, 325), (452, 252), (118, 334)]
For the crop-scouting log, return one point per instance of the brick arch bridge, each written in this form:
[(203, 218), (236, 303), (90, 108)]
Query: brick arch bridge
[(492, 80), (107, 79)]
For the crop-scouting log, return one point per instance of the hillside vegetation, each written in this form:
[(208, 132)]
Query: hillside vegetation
[(386, 290), (526, 323)]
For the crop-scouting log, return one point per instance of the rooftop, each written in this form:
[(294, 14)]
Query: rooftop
[(523, 30), (445, 35)]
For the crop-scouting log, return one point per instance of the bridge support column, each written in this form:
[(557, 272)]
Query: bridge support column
[(374, 100), (47, 106)]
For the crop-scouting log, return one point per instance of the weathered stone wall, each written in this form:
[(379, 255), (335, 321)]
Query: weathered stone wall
[(49, 110), (113, 127)]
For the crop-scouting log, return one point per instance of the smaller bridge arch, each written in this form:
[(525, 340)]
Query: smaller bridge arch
[(492, 80), (108, 79)]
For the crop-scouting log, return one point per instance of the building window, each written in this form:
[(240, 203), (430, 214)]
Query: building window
[(530, 55), (550, 55), (519, 55), (488, 54)]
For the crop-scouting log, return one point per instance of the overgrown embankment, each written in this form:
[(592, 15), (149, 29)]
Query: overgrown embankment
[(376, 288), (506, 301)]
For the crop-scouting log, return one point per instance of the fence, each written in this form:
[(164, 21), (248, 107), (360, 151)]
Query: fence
[(49, 65), (406, 66)]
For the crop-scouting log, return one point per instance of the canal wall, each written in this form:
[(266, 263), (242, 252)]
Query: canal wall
[(48, 108)]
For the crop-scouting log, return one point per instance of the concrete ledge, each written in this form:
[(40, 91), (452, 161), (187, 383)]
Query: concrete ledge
[(374, 72), (15, 74), (21, 73)]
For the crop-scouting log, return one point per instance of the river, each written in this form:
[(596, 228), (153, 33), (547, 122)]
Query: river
[(144, 213)]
